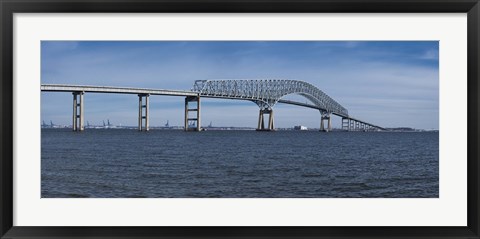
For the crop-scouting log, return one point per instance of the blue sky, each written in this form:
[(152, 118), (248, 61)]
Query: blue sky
[(388, 83)]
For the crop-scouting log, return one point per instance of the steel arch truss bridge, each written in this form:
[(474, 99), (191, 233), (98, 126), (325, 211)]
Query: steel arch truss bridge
[(265, 93), (268, 92)]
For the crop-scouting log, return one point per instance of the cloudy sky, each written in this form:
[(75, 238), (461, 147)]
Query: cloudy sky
[(391, 84)]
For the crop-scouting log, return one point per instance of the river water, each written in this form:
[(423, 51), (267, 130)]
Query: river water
[(125, 163)]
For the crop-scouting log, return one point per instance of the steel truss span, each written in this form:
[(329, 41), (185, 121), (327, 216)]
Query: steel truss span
[(267, 92)]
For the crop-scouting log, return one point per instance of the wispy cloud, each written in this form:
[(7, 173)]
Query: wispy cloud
[(431, 54)]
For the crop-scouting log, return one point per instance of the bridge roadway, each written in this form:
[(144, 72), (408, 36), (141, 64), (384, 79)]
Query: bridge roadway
[(316, 107), (143, 94), (115, 90)]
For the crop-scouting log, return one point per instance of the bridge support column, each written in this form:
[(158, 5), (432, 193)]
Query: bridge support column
[(143, 122), (192, 123), (261, 120), (326, 116), (346, 124), (78, 115), (329, 123)]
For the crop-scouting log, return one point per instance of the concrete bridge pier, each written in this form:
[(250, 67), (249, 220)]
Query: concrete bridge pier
[(78, 116), (326, 116), (143, 124), (261, 120), (346, 124), (192, 123)]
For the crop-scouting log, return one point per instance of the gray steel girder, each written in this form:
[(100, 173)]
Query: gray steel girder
[(266, 93)]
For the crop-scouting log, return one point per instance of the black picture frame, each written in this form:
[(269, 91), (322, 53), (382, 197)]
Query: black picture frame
[(9, 7)]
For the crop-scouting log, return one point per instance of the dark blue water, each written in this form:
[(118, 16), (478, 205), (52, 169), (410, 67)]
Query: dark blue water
[(123, 163)]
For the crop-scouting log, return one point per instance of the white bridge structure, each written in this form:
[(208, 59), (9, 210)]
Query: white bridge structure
[(265, 93)]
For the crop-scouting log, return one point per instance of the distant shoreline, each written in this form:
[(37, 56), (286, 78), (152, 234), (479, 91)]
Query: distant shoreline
[(237, 128)]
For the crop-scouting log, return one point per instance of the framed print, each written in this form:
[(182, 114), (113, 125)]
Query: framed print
[(239, 119)]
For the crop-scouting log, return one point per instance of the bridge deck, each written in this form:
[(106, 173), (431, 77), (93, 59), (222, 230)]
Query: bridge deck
[(316, 107), (115, 90)]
